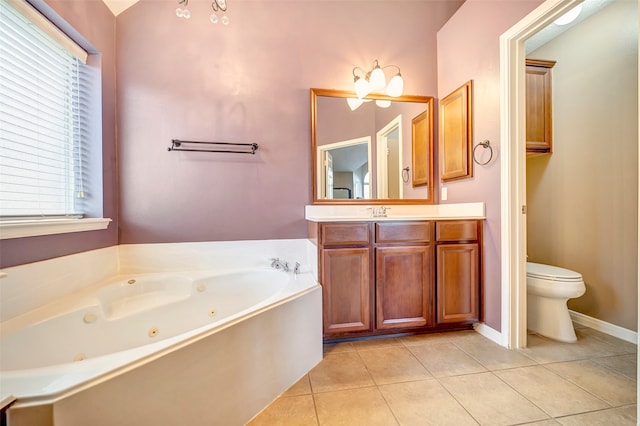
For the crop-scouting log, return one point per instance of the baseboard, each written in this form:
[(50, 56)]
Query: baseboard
[(488, 332), (604, 327)]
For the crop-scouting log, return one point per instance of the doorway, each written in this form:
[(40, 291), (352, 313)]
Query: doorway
[(343, 167), (513, 168), (389, 159)]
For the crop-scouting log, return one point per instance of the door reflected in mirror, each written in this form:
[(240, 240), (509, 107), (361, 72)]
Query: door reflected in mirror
[(364, 154)]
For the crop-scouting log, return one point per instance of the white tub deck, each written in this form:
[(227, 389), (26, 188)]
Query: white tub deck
[(282, 333)]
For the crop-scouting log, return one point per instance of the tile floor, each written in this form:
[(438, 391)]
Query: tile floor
[(462, 378)]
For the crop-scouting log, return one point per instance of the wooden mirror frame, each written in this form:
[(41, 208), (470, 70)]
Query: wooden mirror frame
[(427, 100)]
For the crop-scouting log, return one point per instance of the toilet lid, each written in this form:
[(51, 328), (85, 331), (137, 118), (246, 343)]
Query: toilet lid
[(553, 273)]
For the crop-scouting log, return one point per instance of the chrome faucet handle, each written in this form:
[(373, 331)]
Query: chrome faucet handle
[(285, 266), (296, 270), (274, 262)]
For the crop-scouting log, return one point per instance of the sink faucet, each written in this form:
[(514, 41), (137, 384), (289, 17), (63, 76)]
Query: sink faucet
[(278, 265), (380, 211)]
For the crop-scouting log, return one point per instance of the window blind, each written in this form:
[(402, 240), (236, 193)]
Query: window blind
[(42, 134)]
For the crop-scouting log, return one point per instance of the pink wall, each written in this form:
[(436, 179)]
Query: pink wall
[(245, 82), (468, 49), (96, 23)]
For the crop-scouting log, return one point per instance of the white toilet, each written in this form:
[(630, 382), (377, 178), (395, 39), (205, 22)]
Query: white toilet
[(548, 290)]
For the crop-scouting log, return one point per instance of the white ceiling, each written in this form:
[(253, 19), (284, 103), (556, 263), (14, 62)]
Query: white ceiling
[(551, 31), (117, 6)]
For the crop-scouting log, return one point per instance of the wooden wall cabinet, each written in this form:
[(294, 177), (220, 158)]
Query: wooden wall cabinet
[(456, 132), (539, 106), (384, 277)]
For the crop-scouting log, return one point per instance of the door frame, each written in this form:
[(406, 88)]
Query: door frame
[(381, 163), (513, 168)]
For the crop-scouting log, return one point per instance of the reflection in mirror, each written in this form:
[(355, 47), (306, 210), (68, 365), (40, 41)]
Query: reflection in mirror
[(359, 153), (344, 169)]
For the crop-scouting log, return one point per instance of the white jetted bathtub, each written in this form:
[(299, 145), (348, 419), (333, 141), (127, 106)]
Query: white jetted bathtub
[(199, 347)]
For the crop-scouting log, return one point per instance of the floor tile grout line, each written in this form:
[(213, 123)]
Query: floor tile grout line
[(593, 411), (577, 384), (315, 409), (609, 406), (455, 341), (456, 399), (389, 406), (524, 396), (634, 378)]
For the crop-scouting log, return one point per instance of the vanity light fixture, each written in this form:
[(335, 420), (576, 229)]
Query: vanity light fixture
[(365, 82), (217, 6), (183, 12)]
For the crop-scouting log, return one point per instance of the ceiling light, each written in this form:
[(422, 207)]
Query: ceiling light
[(217, 6), (570, 16), (183, 13)]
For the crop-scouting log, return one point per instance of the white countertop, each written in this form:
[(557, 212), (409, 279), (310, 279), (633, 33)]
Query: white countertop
[(395, 212)]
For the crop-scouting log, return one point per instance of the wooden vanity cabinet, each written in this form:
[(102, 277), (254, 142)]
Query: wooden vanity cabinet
[(345, 274), (458, 271), (393, 276), (404, 279), (538, 106)]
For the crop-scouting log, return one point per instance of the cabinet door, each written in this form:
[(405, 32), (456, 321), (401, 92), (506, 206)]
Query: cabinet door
[(538, 107), (404, 289), (346, 290), (457, 283)]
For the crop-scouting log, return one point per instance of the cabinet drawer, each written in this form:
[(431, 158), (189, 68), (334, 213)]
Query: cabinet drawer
[(343, 234), (457, 230), (394, 232)]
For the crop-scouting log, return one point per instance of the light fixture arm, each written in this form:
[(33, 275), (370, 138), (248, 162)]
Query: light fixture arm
[(217, 5), (389, 66)]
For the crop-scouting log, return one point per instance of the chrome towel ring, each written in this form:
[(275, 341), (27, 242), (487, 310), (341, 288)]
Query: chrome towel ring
[(485, 144)]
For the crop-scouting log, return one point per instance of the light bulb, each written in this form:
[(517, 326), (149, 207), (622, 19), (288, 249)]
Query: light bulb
[(225, 20), (179, 13), (396, 86), (570, 16), (213, 18), (186, 14), (354, 103), (383, 103), (362, 88), (376, 79)]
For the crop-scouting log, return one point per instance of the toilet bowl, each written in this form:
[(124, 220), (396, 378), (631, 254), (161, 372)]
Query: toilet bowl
[(548, 290)]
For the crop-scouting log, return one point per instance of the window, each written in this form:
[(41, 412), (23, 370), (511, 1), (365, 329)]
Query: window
[(45, 99), (41, 125)]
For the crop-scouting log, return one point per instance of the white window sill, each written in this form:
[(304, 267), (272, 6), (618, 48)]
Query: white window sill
[(32, 228)]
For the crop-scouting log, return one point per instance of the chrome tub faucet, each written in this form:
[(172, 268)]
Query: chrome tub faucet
[(279, 265)]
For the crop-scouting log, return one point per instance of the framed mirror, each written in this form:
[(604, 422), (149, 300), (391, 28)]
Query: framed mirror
[(378, 150)]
